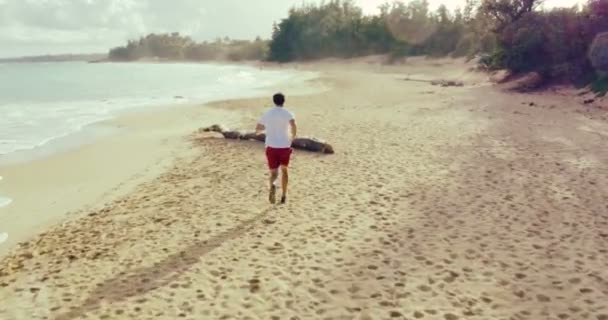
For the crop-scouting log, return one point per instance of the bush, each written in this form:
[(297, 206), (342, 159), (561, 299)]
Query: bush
[(522, 44), (554, 43), (493, 61)]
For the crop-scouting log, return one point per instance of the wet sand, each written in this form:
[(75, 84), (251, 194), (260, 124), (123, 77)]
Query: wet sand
[(440, 203), (117, 156)]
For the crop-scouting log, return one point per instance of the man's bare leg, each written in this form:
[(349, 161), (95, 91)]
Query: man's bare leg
[(274, 174), (284, 183)]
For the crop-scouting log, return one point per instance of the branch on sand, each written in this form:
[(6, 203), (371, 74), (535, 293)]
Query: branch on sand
[(309, 144), (443, 83)]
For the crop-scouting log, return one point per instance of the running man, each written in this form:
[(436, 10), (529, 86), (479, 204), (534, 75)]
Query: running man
[(277, 123)]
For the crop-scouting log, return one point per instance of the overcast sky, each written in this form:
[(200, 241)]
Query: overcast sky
[(31, 27)]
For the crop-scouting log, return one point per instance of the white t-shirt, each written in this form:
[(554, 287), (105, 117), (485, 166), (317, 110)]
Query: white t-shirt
[(276, 121)]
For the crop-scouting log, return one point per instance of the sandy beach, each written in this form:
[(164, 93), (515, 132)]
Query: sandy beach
[(440, 203)]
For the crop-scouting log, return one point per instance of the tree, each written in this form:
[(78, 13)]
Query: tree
[(173, 46), (599, 7), (411, 24), (505, 12), (469, 10)]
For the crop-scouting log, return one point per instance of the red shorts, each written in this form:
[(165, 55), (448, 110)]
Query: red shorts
[(278, 157)]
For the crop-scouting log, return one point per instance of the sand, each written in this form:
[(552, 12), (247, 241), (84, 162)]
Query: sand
[(440, 203)]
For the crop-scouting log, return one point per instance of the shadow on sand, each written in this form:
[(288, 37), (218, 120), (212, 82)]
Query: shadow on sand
[(143, 280)]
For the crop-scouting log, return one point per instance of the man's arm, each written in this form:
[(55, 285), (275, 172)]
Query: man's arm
[(294, 128), (259, 128)]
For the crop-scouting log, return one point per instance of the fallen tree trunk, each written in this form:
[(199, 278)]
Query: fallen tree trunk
[(308, 144)]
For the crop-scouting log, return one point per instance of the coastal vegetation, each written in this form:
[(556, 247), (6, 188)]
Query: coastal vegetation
[(518, 35), (55, 58), (177, 47), (561, 44)]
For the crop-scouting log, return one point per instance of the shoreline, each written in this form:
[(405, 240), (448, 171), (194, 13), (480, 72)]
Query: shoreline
[(224, 81), (59, 180), (53, 187)]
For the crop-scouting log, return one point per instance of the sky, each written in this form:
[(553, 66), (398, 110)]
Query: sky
[(36, 27)]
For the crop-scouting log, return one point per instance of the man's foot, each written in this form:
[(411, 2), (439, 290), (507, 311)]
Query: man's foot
[(273, 194), (283, 199)]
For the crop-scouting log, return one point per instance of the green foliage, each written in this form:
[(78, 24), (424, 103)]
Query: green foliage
[(494, 60), (339, 29), (448, 33), (523, 44), (502, 13), (507, 34), (335, 29), (175, 47), (555, 43)]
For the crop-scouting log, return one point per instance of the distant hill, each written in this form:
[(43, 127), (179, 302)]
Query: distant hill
[(58, 58)]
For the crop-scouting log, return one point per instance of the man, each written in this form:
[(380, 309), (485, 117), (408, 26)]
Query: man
[(277, 123)]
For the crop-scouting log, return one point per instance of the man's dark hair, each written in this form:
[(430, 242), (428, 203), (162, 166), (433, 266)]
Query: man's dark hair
[(279, 99)]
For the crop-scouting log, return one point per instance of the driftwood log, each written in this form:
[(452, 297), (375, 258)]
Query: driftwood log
[(309, 144), (443, 83), (525, 83)]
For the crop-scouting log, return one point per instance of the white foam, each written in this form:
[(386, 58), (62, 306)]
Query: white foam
[(5, 201), (3, 236)]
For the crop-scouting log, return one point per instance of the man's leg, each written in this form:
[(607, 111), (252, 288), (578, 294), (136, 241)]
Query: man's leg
[(274, 174), (273, 166), (284, 182), (286, 157)]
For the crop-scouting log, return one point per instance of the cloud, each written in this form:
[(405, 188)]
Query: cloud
[(54, 24), (60, 25)]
